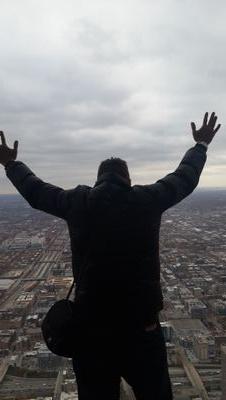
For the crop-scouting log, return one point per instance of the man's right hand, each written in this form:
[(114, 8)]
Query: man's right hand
[(207, 131), (6, 153)]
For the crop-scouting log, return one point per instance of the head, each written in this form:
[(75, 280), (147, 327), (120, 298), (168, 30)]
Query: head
[(116, 166)]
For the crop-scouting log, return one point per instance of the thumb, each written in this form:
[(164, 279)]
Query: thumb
[(16, 146), (193, 127)]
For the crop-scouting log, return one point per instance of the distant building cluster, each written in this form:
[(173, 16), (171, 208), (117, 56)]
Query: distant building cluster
[(35, 271), (22, 241)]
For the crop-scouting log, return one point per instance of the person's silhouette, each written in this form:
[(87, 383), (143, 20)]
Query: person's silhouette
[(114, 226)]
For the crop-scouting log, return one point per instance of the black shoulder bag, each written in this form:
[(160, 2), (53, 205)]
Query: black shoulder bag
[(61, 325)]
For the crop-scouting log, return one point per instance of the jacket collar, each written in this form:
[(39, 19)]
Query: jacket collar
[(112, 178)]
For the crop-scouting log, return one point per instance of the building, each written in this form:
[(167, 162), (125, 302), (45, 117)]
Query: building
[(126, 392), (204, 347), (196, 308), (167, 331)]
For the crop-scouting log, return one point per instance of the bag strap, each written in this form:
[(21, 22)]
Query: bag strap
[(70, 290), (79, 277)]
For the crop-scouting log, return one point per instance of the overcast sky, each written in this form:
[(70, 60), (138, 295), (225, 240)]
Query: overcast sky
[(81, 81)]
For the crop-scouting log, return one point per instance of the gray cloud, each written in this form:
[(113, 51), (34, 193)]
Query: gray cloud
[(80, 83)]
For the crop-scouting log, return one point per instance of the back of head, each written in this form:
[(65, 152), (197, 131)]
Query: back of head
[(116, 166)]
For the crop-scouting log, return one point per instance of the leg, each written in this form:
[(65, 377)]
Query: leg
[(145, 365), (95, 367)]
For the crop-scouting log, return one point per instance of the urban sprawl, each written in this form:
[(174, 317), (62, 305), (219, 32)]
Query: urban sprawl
[(35, 271)]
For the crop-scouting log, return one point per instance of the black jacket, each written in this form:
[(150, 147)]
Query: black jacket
[(114, 232)]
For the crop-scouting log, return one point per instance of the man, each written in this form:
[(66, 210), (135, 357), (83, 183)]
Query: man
[(114, 233)]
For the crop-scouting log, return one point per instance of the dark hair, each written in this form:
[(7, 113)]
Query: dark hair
[(114, 165)]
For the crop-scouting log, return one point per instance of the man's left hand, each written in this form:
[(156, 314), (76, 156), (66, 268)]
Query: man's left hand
[(7, 154)]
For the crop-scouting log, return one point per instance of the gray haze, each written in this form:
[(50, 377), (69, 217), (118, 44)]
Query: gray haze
[(81, 81)]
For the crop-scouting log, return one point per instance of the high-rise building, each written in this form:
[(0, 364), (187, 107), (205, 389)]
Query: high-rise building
[(167, 330)]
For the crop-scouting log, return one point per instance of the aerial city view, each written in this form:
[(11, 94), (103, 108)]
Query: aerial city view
[(112, 200), (35, 271)]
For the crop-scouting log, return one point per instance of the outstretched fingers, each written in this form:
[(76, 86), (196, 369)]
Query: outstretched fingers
[(217, 128), (193, 127), (212, 121), (3, 138), (15, 145), (205, 119)]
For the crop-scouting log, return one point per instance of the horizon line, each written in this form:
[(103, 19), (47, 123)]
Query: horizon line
[(199, 188)]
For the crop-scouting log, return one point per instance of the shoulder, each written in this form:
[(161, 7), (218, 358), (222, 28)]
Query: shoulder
[(77, 195), (79, 189), (144, 193), (143, 189)]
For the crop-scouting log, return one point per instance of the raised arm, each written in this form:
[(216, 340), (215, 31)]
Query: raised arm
[(175, 186), (40, 195)]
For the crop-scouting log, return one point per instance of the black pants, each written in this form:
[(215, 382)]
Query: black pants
[(139, 357)]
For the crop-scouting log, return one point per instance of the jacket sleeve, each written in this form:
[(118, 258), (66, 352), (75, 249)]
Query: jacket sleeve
[(40, 195), (177, 185)]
